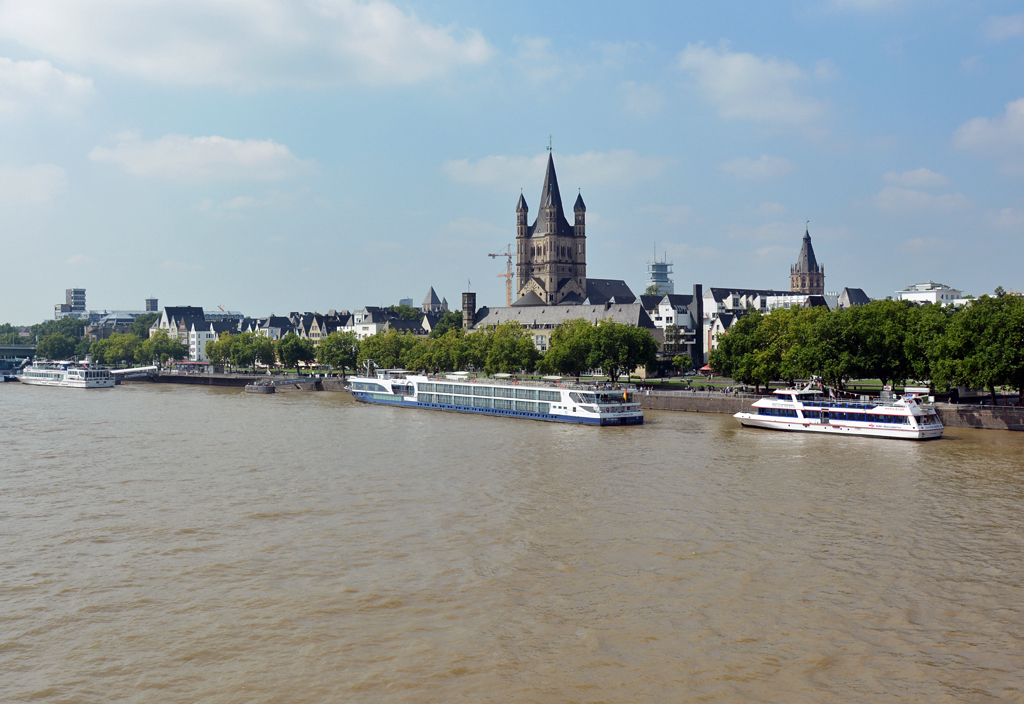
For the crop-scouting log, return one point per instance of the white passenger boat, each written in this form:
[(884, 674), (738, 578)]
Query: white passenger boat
[(550, 400), (807, 410), (71, 374)]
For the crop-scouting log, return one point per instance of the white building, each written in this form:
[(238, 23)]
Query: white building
[(803, 300), (931, 292)]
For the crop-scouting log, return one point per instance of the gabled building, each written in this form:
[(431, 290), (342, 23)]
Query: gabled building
[(433, 304), (541, 320), (853, 297), (178, 320), (199, 334)]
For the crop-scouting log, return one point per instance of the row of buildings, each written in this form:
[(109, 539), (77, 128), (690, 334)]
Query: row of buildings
[(551, 285)]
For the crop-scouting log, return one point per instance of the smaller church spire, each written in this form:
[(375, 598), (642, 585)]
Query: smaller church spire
[(521, 206), (580, 205)]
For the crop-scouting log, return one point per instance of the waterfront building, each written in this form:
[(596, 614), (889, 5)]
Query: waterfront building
[(931, 292), (807, 276), (178, 320), (802, 300), (539, 321), (201, 333), (734, 302), (853, 297)]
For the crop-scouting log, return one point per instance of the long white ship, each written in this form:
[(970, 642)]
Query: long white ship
[(807, 410), (550, 401), (70, 374)]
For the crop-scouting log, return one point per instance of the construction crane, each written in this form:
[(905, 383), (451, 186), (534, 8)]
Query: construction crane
[(507, 275)]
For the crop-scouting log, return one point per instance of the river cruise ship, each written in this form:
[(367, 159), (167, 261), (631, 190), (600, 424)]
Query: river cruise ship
[(550, 400), (807, 410), (71, 374)]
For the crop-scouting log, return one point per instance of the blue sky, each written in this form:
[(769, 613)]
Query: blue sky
[(271, 156)]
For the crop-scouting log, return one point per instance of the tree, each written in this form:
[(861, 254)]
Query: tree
[(219, 351), (56, 346), (450, 320), (507, 348), (387, 350), (651, 290), (682, 363), (985, 344), (292, 349), (338, 350), (620, 348), (406, 312), (569, 349), (82, 348), (121, 348), (142, 323), (160, 348)]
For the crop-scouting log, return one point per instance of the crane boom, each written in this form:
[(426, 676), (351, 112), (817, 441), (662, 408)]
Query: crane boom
[(507, 275)]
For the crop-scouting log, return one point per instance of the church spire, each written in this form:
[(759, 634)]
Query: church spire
[(549, 195)]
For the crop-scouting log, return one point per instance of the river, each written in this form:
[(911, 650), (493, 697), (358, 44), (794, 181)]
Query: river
[(161, 543)]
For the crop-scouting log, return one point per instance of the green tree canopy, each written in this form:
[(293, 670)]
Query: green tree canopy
[(406, 312), (142, 323), (569, 348), (339, 350), (450, 320), (387, 350), (56, 346), (619, 349), (292, 349), (160, 349)]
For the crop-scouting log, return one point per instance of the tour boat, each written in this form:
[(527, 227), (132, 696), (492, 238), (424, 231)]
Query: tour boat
[(71, 374), (503, 395), (807, 410)]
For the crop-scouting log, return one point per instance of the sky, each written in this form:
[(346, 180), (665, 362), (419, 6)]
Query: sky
[(271, 156)]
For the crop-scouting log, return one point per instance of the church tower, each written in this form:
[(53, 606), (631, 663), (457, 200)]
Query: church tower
[(551, 262), (807, 276)]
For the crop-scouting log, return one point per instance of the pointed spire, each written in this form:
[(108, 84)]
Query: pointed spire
[(521, 206), (549, 195), (807, 263), (579, 204)]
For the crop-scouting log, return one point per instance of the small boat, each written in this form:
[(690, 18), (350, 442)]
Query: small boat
[(807, 410), (260, 387)]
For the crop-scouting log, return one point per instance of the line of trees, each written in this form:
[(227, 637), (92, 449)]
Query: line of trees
[(574, 347), (980, 345)]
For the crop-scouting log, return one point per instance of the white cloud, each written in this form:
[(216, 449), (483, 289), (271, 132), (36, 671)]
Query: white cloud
[(764, 167), (76, 259), (244, 44), (35, 185), (918, 178), (1002, 137), (748, 87), (642, 99), (28, 84), (180, 157), (1008, 219), (588, 169), (896, 200), (999, 28)]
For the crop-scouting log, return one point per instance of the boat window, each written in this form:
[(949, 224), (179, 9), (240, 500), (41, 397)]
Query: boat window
[(483, 391)]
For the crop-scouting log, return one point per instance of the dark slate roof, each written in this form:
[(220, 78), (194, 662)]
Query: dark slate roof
[(649, 301), (550, 197), (572, 298), (853, 297), (816, 301), (580, 205), (680, 299), (521, 205), (601, 291), (430, 320), (179, 312), (431, 299), (413, 326), (807, 264), (549, 316), (530, 299)]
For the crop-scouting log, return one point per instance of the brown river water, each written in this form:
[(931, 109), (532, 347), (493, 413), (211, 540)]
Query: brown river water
[(161, 543)]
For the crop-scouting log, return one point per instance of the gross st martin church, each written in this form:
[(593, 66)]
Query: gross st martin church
[(551, 266)]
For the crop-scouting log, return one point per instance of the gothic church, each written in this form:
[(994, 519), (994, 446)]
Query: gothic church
[(551, 266)]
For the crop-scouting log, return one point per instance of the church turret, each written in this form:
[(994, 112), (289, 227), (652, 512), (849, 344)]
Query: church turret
[(580, 209), (807, 276)]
